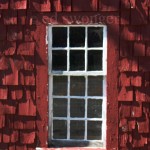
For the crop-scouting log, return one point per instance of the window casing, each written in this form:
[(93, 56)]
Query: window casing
[(77, 85)]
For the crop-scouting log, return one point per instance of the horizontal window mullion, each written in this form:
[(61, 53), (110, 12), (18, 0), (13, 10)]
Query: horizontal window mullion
[(80, 97), (78, 119), (65, 140), (78, 73), (96, 48), (59, 48), (77, 48), (73, 25)]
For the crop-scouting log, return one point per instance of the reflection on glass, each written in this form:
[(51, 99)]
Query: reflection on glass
[(94, 60), (59, 107), (59, 60), (77, 37), (77, 60), (95, 37), (77, 129), (94, 108), (60, 85), (94, 130), (77, 86), (59, 37), (77, 107), (95, 86), (59, 129)]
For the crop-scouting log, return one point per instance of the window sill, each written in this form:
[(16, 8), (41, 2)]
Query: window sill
[(72, 148)]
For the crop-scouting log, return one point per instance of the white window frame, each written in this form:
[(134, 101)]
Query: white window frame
[(78, 73)]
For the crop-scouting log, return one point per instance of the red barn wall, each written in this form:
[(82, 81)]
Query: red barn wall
[(24, 68)]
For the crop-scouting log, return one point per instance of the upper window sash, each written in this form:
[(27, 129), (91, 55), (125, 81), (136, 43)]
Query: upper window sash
[(67, 72)]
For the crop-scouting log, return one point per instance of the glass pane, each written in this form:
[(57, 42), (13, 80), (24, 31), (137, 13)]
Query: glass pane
[(59, 129), (77, 60), (94, 60), (77, 107), (59, 60), (77, 86), (60, 85), (59, 107), (77, 129), (59, 37), (95, 37), (77, 37), (94, 130), (94, 108), (95, 86)]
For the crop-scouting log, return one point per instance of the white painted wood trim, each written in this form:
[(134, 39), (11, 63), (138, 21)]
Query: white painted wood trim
[(78, 73)]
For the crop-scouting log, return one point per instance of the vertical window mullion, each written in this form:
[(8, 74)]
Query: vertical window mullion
[(68, 110), (68, 87), (86, 52), (50, 36), (104, 111), (51, 106), (50, 50), (68, 68), (86, 82), (86, 105), (104, 85), (68, 49), (104, 50)]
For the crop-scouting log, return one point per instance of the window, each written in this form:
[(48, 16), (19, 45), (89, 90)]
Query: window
[(77, 85)]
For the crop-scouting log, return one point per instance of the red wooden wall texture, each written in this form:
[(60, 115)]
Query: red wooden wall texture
[(24, 77)]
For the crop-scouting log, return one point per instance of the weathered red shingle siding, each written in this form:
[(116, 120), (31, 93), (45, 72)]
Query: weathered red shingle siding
[(134, 76), (24, 68)]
